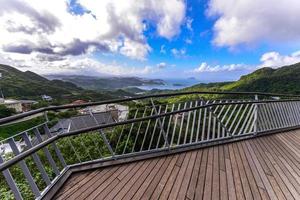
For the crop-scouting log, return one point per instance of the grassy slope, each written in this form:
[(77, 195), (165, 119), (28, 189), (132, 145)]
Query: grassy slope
[(282, 80)]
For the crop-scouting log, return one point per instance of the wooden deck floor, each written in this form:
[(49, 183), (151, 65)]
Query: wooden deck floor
[(262, 168)]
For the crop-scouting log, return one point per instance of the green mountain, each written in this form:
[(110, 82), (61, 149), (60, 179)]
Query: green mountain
[(28, 85), (281, 80)]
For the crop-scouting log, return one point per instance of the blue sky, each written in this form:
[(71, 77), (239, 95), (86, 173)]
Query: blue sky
[(210, 40)]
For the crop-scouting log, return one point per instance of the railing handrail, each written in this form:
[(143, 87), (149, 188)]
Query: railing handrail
[(34, 149), (53, 108)]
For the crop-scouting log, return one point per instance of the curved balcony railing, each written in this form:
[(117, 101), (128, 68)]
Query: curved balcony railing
[(146, 125)]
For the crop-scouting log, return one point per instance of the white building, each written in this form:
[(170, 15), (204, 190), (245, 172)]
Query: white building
[(11, 103)]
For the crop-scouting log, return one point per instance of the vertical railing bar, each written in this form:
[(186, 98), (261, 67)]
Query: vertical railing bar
[(47, 152), (10, 181), (204, 122), (69, 141), (214, 123), (119, 139), (25, 169), (251, 118), (246, 119), (82, 143), (283, 114), (254, 122), (138, 131), (36, 159), (57, 151), (181, 124), (209, 124), (199, 122), (130, 130), (187, 124), (193, 122), (275, 114), (146, 132), (264, 117), (291, 104), (239, 121), (288, 113), (297, 110), (220, 121), (106, 142), (223, 118), (287, 117), (276, 110), (175, 124), (162, 131), (235, 118), (154, 129), (169, 123), (271, 115), (231, 114)]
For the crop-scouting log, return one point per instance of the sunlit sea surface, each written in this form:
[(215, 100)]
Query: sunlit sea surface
[(171, 84)]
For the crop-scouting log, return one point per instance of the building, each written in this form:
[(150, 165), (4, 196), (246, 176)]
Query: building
[(81, 122), (47, 98), (14, 104), (27, 104), (118, 112)]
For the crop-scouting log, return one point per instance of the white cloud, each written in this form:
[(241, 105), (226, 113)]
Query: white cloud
[(275, 59), (251, 21), (269, 59), (50, 30), (204, 67), (178, 52), (74, 65), (161, 65)]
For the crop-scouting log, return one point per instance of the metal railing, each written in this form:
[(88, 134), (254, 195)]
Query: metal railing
[(147, 127)]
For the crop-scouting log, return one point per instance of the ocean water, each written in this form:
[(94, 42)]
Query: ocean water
[(171, 84)]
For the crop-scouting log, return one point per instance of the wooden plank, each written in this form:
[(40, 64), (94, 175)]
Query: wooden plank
[(216, 175), (148, 186), (180, 176), (201, 178), (135, 181), (252, 184), (261, 172), (108, 194), (107, 188), (222, 171), (236, 176), (113, 180), (93, 185), (285, 183), (229, 175), (74, 189), (208, 178), (193, 183), (163, 181), (187, 177)]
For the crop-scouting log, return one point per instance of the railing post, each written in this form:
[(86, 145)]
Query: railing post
[(46, 116), (103, 135), (56, 149), (160, 124), (10, 181)]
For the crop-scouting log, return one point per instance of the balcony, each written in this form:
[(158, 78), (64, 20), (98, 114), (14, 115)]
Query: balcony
[(193, 145)]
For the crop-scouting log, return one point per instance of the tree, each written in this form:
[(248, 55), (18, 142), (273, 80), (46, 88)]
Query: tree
[(6, 112)]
